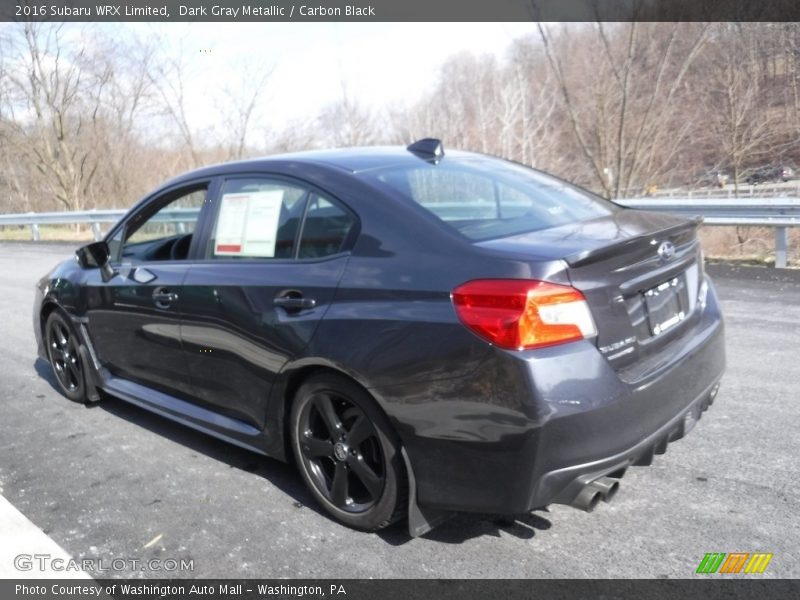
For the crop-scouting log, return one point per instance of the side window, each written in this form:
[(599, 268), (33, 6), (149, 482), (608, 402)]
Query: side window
[(165, 234), (325, 228), (257, 218)]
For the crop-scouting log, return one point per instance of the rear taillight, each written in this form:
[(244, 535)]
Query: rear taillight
[(521, 313)]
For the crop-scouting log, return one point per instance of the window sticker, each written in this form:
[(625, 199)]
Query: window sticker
[(248, 224)]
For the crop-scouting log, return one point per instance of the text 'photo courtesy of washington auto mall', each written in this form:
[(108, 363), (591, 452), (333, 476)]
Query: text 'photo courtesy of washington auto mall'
[(342, 301)]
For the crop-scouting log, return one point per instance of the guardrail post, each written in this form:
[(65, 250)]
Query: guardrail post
[(781, 246), (96, 232), (35, 232)]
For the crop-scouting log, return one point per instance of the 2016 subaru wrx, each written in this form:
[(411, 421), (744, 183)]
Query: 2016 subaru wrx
[(423, 333)]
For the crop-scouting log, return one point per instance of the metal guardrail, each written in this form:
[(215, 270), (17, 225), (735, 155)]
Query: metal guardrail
[(94, 218), (761, 190), (780, 213)]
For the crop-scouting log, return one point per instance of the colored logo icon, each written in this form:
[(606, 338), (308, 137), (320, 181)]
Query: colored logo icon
[(735, 562)]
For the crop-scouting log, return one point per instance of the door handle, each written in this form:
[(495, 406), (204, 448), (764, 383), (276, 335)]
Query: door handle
[(294, 302), (163, 297)]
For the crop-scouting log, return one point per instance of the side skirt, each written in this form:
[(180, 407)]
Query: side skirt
[(201, 419), (198, 418)]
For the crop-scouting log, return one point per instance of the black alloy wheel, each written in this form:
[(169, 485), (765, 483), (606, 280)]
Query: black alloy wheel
[(347, 453), (62, 351)]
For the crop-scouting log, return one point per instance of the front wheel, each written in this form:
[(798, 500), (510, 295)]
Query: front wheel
[(347, 453), (62, 352)]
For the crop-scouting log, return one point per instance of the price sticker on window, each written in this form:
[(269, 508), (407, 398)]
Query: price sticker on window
[(248, 224)]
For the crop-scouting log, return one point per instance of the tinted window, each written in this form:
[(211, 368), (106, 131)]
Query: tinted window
[(166, 234), (257, 218), (325, 229), (488, 198)]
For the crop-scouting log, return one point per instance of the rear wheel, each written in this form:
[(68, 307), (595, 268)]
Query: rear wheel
[(62, 351), (347, 453)]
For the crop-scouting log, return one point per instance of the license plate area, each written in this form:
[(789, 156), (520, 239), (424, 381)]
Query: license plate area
[(664, 307)]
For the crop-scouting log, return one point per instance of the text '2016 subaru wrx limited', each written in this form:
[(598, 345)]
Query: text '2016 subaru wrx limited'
[(423, 333)]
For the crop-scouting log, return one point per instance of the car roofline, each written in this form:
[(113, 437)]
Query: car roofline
[(337, 158)]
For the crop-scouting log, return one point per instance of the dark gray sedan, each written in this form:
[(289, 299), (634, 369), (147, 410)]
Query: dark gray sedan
[(422, 333)]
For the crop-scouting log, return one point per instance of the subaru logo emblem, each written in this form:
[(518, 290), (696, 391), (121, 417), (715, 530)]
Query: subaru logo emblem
[(666, 250), (340, 451)]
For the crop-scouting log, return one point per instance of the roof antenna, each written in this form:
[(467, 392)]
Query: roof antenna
[(428, 148)]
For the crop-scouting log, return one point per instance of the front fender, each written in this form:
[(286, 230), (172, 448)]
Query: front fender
[(59, 289)]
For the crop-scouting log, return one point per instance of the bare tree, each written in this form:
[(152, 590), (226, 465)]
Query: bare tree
[(530, 102), (615, 107), (48, 113), (118, 76), (168, 77), (347, 122), (740, 118), (622, 86), (295, 136), (239, 108), (482, 104), (463, 108)]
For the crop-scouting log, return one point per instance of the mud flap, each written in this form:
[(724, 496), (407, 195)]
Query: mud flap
[(90, 376), (420, 521)]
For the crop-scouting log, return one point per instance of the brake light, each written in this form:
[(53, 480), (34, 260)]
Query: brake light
[(521, 313)]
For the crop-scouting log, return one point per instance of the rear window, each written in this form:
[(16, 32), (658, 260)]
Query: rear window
[(491, 198)]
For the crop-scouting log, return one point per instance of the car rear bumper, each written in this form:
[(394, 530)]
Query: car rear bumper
[(562, 486), (531, 428)]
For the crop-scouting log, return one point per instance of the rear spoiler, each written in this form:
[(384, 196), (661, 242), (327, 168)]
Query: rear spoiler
[(678, 234)]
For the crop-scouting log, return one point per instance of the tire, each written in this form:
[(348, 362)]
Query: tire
[(62, 352), (347, 453)]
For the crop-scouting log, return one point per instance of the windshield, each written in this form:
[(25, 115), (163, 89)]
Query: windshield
[(485, 198)]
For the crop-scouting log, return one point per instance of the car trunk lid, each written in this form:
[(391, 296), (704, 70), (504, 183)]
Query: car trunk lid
[(639, 271)]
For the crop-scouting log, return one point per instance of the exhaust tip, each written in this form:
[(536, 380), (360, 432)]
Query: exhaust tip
[(713, 394), (608, 487), (603, 488), (587, 499)]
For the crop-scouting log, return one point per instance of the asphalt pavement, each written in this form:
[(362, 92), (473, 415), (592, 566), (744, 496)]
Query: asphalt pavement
[(114, 482)]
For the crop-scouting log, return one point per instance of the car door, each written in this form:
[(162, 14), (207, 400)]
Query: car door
[(274, 255), (134, 318)]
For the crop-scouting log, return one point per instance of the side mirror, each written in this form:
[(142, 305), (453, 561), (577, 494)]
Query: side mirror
[(94, 255)]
